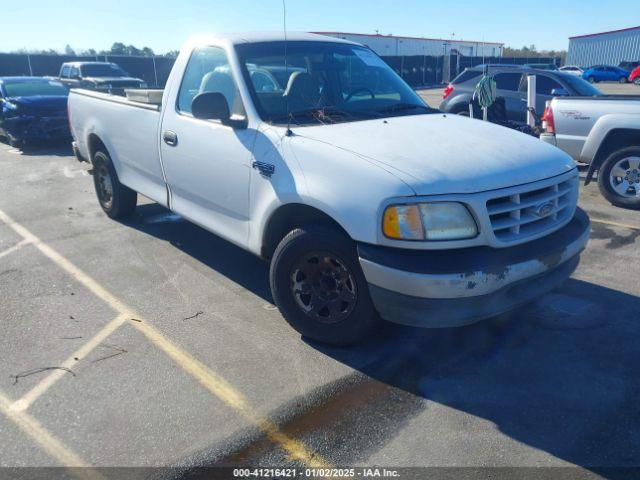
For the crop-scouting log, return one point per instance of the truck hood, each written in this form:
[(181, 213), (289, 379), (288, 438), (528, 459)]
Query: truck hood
[(443, 154), (112, 80)]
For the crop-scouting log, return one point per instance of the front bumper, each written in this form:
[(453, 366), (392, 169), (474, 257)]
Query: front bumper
[(458, 287), (34, 128)]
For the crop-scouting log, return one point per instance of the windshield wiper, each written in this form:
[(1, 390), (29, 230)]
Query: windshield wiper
[(321, 114), (398, 107)]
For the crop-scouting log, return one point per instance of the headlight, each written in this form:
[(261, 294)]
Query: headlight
[(429, 221)]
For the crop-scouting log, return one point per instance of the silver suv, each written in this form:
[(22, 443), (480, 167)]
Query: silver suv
[(512, 86)]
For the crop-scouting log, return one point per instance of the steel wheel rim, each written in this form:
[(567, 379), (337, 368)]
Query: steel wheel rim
[(323, 287), (105, 186), (625, 177)]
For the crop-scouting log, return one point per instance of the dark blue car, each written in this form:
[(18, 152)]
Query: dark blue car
[(33, 110), (604, 73)]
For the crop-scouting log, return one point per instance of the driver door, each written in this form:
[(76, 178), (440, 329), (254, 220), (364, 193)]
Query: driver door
[(207, 164)]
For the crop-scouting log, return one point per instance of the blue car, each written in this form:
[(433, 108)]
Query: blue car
[(33, 110), (605, 73)]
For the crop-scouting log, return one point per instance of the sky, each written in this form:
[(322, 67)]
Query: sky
[(164, 25)]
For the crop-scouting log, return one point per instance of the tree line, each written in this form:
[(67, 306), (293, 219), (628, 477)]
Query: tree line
[(531, 51), (118, 48)]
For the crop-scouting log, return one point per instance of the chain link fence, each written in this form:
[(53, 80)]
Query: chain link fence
[(417, 71), (153, 70)]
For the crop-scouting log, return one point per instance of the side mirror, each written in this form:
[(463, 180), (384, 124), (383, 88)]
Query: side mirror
[(559, 92), (211, 106)]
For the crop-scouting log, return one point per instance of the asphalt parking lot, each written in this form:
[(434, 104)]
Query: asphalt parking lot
[(154, 343)]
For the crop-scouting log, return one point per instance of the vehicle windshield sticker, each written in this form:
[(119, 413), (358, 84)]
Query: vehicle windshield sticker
[(369, 58)]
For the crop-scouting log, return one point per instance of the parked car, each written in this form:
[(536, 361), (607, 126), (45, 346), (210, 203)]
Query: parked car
[(511, 84), (604, 73), (365, 200), (572, 69), (98, 76), (603, 132), (629, 66), (635, 76), (542, 66), (33, 109)]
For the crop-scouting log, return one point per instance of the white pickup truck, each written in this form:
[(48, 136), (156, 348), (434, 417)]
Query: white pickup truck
[(604, 132), (313, 154)]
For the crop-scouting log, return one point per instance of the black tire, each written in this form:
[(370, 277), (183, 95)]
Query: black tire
[(637, 81), (15, 143), (624, 80), (605, 180), (116, 200), (354, 318), (592, 80)]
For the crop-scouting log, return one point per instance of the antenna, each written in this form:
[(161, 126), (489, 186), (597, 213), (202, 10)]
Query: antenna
[(286, 65)]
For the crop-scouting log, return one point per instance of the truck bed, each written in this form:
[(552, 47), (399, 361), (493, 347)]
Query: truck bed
[(129, 130)]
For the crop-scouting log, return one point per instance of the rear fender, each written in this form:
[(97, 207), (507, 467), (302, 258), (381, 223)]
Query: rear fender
[(602, 136)]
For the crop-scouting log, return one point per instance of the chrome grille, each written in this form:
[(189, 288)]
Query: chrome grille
[(533, 210)]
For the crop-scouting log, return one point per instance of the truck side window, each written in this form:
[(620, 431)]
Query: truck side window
[(545, 85), (508, 81), (208, 70), (65, 72), (74, 72)]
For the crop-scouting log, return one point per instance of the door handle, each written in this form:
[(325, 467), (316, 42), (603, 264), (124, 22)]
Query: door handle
[(170, 138)]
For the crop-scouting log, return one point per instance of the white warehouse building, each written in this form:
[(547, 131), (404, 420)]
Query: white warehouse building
[(608, 48), (391, 45)]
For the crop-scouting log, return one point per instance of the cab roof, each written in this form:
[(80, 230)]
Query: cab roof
[(258, 37)]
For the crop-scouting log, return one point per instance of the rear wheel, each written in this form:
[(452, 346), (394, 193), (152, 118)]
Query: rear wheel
[(591, 80), (117, 200), (624, 80), (319, 287), (619, 178), (637, 81)]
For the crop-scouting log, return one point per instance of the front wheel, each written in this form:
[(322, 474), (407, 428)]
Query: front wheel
[(117, 200), (591, 80), (15, 143), (619, 178), (319, 287)]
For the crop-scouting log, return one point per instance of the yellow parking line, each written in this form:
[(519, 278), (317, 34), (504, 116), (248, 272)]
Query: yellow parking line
[(15, 248), (214, 383), (65, 264), (615, 224), (232, 397), (25, 402), (51, 445)]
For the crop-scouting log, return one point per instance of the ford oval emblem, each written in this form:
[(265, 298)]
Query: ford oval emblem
[(544, 209)]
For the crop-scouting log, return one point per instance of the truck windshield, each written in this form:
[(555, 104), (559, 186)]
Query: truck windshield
[(582, 87), (34, 88), (105, 70), (324, 82)]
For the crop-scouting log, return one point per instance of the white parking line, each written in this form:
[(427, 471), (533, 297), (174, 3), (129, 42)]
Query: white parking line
[(31, 396), (51, 445), (15, 248)]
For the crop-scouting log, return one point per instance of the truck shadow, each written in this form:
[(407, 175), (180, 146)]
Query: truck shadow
[(561, 375), (216, 253)]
